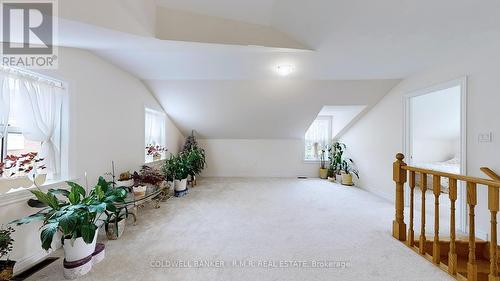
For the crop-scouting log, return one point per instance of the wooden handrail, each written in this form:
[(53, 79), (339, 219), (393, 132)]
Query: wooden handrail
[(489, 172), (400, 176), (453, 176)]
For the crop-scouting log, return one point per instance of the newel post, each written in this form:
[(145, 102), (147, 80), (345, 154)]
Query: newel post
[(399, 176)]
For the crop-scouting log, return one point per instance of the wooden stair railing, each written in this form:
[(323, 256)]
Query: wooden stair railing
[(454, 262)]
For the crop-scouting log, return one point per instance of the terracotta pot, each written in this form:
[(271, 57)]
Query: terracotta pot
[(347, 179), (6, 269), (78, 249), (111, 231), (323, 173)]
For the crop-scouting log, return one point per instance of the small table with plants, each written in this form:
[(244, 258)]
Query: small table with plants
[(153, 194)]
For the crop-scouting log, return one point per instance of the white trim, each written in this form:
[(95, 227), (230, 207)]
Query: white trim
[(462, 82), (24, 195)]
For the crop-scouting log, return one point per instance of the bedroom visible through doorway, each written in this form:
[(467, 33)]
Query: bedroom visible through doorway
[(435, 140)]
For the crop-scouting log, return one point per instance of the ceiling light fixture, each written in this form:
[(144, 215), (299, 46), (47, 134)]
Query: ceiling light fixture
[(284, 69)]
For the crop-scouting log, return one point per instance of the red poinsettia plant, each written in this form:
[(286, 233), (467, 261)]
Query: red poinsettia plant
[(155, 150), (18, 165)]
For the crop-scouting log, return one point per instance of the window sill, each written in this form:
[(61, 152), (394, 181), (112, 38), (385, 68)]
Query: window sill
[(25, 194), (311, 161)]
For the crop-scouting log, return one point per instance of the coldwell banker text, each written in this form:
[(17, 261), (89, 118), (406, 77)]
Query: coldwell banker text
[(29, 30)]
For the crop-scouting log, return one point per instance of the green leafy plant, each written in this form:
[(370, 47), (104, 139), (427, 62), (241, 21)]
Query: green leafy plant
[(335, 157), (6, 241), (75, 216), (190, 143), (347, 166), (196, 160), (113, 218), (177, 167)]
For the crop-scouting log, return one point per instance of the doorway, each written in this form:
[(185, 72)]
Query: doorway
[(435, 139)]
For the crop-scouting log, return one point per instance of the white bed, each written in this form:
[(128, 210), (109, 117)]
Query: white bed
[(450, 166)]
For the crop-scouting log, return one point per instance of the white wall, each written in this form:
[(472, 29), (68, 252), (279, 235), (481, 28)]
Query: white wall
[(256, 158), (106, 123), (383, 125)]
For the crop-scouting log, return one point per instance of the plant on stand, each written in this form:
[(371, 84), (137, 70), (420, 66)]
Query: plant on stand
[(76, 217), (323, 171), (147, 176), (196, 162), (196, 156), (6, 265)]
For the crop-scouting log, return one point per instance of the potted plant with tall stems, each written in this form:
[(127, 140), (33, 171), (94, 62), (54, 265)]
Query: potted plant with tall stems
[(335, 155), (6, 246), (196, 156), (323, 171), (76, 216)]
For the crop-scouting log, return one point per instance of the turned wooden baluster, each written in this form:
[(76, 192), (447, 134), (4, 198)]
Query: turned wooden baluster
[(493, 193), (399, 176), (436, 188), (472, 202), (423, 187), (452, 255), (411, 234)]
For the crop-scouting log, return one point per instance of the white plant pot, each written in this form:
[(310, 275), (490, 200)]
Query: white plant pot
[(180, 185), (338, 178), (125, 183), (78, 249), (140, 190)]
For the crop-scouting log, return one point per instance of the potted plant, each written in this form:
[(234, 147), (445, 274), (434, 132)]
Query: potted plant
[(125, 180), (348, 170), (323, 171), (196, 156), (177, 169), (196, 162), (7, 265), (115, 222), (76, 217), (335, 155), (155, 151), (21, 171), (148, 176)]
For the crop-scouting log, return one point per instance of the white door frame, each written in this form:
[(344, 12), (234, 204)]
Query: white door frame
[(462, 82)]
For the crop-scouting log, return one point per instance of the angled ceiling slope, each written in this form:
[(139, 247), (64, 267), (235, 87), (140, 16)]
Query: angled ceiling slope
[(259, 109)]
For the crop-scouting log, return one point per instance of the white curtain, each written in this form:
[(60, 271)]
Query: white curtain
[(155, 128), (5, 81), (37, 110), (319, 132)]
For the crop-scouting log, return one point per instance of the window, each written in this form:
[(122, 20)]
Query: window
[(30, 130), (317, 137), (155, 138)]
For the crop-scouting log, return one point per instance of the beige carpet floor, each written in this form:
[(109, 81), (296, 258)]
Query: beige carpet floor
[(261, 229)]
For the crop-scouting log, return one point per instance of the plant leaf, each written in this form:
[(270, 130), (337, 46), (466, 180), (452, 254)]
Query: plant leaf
[(77, 188), (88, 232), (47, 235)]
